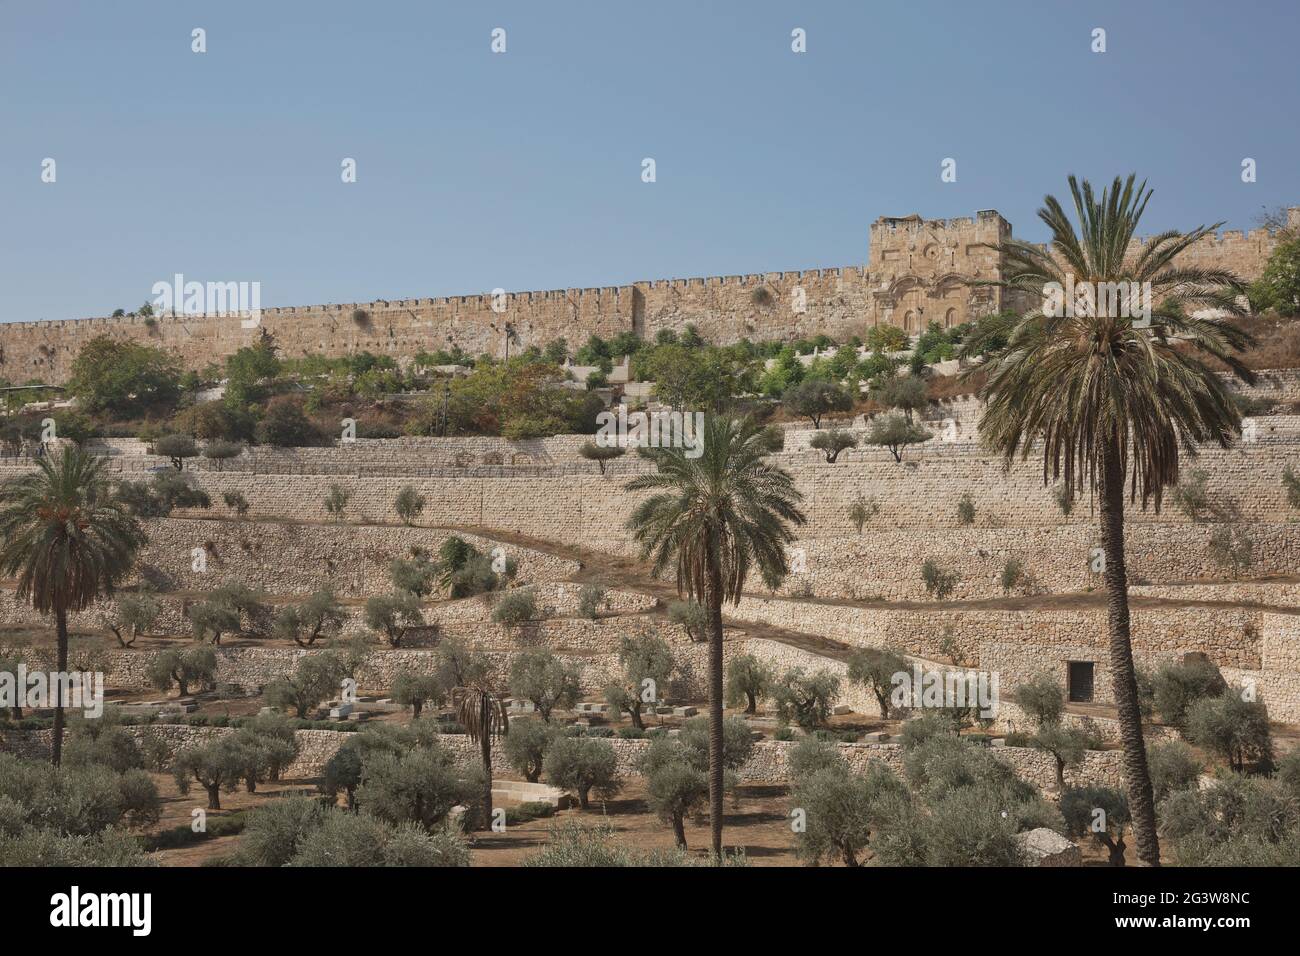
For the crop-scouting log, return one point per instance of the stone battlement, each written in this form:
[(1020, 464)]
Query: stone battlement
[(918, 271)]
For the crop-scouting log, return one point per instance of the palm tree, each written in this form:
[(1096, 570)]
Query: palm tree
[(715, 517), (69, 541), (1111, 399), (483, 715)]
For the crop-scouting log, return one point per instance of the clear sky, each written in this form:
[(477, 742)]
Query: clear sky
[(522, 170)]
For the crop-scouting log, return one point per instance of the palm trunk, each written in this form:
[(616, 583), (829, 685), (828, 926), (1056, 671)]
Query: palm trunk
[(485, 746), (715, 704), (61, 668), (1137, 778)]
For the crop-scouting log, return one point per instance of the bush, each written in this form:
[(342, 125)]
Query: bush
[(515, 608), (805, 699), (159, 497), (101, 743), (590, 600), (358, 840), (939, 581), (1236, 821), (1232, 549), (1291, 485), (582, 765), (177, 448), (966, 510), (1173, 767), (408, 504), (863, 510), (236, 502), (1178, 686), (285, 425), (274, 831), (571, 844), (1013, 573), (336, 501)]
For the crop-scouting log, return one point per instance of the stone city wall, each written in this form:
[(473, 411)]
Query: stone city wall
[(918, 271)]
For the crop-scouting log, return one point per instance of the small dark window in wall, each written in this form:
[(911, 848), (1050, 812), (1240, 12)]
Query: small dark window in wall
[(1080, 681)]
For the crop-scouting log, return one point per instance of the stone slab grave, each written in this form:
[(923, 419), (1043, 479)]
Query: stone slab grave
[(514, 792), (841, 709), (590, 707), (517, 705)]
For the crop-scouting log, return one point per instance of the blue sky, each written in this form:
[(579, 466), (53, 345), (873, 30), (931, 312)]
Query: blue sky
[(523, 170)]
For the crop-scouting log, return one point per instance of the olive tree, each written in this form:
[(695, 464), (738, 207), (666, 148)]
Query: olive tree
[(647, 664), (135, 613), (748, 681), (305, 623), (873, 669), (183, 668), (1101, 812), (392, 615), (805, 699), (414, 690), (582, 765), (526, 745), (546, 680)]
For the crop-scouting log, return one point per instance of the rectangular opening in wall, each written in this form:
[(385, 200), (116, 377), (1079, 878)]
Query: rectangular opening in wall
[(1080, 681)]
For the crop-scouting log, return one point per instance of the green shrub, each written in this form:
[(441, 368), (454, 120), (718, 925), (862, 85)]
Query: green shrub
[(940, 582)]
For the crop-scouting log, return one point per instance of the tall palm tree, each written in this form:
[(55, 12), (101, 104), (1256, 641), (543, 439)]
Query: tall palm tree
[(69, 541), (483, 715), (715, 517), (1111, 399)]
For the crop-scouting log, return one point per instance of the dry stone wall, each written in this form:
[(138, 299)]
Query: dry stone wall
[(769, 763)]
